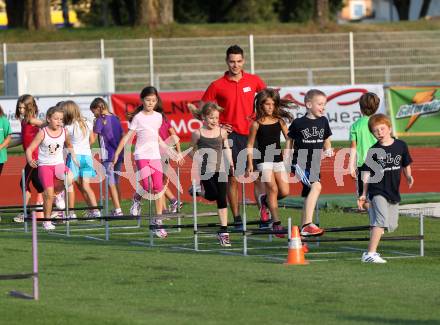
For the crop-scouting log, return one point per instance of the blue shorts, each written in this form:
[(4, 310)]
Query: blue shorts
[(85, 169), (110, 169)]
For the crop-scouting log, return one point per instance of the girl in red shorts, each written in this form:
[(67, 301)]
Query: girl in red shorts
[(51, 141)]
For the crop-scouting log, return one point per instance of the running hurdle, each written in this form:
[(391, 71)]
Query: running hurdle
[(247, 233), (34, 275)]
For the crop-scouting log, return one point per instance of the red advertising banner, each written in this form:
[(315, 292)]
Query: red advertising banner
[(175, 105)]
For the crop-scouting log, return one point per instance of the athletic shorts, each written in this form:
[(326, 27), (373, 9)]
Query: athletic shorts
[(275, 166), (304, 176), (49, 173), (383, 213), (238, 144), (111, 171), (150, 169), (85, 169), (31, 176)]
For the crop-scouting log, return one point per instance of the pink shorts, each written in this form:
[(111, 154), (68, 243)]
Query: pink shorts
[(47, 174), (153, 168)]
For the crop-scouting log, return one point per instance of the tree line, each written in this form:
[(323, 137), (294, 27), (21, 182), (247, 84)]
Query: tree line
[(35, 14)]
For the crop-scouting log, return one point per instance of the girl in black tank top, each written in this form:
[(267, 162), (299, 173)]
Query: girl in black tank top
[(208, 144), (266, 129)]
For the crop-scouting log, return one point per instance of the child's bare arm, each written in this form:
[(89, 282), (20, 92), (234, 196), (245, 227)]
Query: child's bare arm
[(34, 144), (361, 199), (176, 138), (352, 160), (287, 150), (69, 147), (228, 150), (122, 144), (250, 147), (328, 150), (5, 142), (195, 136), (409, 177), (36, 122)]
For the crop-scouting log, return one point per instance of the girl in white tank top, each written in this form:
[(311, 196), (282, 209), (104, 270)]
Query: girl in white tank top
[(51, 141)]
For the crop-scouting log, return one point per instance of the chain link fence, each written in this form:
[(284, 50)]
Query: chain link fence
[(281, 60)]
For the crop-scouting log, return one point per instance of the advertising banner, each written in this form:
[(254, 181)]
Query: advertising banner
[(342, 108), (415, 110), (175, 106)]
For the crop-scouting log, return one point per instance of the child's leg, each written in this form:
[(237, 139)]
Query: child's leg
[(64, 179), (281, 178), (382, 215), (310, 203), (259, 188), (222, 203), (375, 236), (40, 201), (272, 194), (48, 197), (157, 183), (114, 193), (87, 191), (113, 183)]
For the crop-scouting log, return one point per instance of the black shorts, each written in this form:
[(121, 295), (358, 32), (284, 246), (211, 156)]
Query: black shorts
[(359, 183), (304, 177), (31, 175), (238, 144), (215, 190)]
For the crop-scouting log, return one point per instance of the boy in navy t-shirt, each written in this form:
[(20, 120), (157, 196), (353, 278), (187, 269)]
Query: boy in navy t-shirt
[(310, 134), (383, 166)]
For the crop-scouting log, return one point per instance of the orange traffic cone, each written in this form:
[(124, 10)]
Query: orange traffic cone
[(295, 254)]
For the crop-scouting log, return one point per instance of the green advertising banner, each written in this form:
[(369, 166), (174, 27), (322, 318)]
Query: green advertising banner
[(415, 111)]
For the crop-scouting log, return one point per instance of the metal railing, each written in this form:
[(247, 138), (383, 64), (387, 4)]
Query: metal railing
[(281, 60)]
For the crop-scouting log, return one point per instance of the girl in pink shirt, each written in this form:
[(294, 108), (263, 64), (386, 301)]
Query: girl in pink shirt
[(145, 124)]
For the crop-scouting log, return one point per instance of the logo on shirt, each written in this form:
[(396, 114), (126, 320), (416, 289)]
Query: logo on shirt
[(307, 133), (390, 160), (247, 89), (53, 148)]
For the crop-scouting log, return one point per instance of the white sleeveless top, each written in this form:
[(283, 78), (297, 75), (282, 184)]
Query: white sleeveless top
[(50, 151), (80, 142)]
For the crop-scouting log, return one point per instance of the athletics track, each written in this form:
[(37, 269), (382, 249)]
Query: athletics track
[(426, 171)]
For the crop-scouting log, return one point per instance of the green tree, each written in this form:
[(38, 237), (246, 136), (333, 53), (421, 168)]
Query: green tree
[(30, 14), (303, 10)]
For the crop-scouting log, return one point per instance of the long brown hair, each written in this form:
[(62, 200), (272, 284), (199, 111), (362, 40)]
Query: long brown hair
[(30, 107), (280, 105)]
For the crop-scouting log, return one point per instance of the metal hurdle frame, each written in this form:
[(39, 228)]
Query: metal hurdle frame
[(34, 275)]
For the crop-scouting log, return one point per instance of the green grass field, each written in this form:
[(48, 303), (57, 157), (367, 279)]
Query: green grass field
[(84, 281)]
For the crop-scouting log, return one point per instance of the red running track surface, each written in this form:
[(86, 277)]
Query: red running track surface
[(426, 172)]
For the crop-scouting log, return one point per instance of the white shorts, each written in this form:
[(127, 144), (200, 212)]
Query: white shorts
[(275, 166)]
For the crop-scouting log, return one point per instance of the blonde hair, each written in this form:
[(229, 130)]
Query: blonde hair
[(312, 93), (72, 113), (204, 110)]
